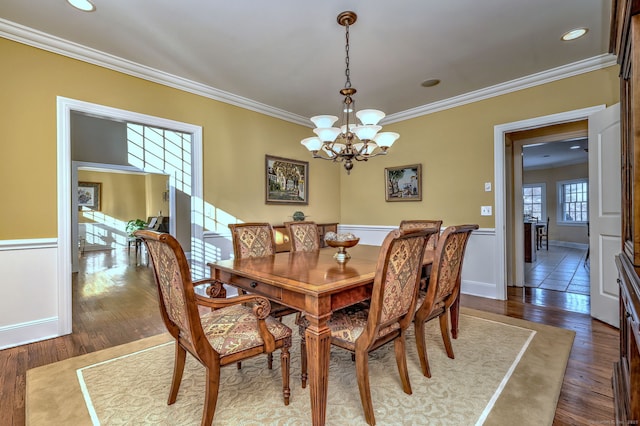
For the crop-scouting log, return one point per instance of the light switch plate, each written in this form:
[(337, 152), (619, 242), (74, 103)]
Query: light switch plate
[(487, 186), (485, 211)]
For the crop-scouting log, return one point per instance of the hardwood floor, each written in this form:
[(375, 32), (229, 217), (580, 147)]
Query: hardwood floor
[(114, 302)]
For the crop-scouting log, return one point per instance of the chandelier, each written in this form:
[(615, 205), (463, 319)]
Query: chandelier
[(350, 141)]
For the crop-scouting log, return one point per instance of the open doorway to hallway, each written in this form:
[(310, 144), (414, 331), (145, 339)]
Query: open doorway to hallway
[(549, 183)]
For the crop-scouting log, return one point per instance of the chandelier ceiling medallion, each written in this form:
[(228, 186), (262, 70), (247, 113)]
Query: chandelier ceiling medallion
[(351, 141)]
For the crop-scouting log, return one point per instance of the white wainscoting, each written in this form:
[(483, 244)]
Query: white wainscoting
[(29, 291), (479, 267), (30, 303)]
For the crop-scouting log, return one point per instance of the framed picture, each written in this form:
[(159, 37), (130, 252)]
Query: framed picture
[(89, 195), (286, 181), (403, 183)]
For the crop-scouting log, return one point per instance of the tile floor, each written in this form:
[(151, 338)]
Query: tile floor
[(560, 269)]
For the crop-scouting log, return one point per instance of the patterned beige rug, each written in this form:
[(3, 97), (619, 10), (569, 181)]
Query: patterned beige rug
[(506, 370)]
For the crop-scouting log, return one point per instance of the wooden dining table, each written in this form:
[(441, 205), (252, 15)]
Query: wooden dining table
[(315, 284)]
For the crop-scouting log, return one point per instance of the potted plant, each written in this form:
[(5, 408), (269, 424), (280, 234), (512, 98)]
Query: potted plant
[(134, 225)]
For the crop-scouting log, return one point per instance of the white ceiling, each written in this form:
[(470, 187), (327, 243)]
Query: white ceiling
[(555, 154), (288, 57)]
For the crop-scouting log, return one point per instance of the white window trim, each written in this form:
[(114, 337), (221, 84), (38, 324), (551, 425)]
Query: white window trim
[(559, 216), (544, 198)]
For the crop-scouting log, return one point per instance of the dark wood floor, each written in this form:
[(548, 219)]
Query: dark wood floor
[(114, 302)]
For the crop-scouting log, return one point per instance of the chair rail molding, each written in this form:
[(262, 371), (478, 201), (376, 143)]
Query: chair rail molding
[(479, 271)]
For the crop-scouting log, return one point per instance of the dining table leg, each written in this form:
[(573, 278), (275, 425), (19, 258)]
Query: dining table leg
[(318, 338)]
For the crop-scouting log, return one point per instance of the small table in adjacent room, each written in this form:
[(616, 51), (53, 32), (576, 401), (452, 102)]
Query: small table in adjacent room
[(530, 241)]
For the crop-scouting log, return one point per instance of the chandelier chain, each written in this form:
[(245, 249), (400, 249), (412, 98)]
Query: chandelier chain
[(346, 60)]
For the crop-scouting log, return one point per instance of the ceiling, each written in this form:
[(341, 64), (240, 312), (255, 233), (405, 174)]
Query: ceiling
[(555, 154), (289, 57)]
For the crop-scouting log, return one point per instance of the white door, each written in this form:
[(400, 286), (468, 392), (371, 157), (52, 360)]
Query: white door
[(604, 212)]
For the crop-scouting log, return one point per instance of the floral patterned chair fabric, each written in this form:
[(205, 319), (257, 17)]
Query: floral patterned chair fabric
[(304, 235), (234, 329), (393, 300), (443, 289)]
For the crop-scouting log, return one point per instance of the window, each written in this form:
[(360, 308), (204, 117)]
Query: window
[(534, 201), (573, 201)]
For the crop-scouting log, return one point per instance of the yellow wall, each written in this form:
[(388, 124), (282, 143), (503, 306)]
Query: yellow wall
[(156, 186), (235, 141), (122, 198), (455, 148)]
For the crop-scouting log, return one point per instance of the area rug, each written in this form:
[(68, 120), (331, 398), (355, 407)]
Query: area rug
[(505, 370)]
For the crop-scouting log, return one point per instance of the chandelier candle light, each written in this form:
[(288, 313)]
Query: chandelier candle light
[(350, 141)]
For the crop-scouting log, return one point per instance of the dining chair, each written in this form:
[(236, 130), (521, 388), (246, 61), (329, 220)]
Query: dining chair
[(431, 245), (424, 224), (543, 235), (393, 300), (304, 235), (235, 328), (443, 289), (256, 239)]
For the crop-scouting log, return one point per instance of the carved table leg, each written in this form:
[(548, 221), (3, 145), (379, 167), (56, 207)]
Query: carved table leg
[(318, 339)]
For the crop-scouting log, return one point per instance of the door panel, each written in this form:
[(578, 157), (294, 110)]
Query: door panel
[(604, 212)]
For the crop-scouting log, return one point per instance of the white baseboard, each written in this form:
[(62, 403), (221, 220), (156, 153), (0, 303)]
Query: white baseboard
[(29, 332)]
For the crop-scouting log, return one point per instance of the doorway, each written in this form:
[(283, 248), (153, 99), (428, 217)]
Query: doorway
[(66, 188), (508, 177)]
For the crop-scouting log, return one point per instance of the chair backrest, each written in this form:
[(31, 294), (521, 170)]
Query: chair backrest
[(252, 240), (175, 289), (424, 224), (304, 235), (395, 286), (444, 283)]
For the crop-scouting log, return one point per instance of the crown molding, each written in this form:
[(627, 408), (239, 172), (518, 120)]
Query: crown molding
[(554, 74), (41, 40)]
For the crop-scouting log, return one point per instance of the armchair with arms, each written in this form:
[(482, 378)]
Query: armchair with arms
[(231, 331)]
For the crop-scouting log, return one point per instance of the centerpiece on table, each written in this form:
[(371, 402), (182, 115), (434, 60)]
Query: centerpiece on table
[(342, 242)]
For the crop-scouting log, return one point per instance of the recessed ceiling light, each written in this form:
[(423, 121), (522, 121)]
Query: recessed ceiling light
[(575, 147), (430, 83), (84, 5), (574, 34)]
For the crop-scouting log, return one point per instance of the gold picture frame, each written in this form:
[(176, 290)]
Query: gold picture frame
[(89, 195), (403, 183), (286, 181)]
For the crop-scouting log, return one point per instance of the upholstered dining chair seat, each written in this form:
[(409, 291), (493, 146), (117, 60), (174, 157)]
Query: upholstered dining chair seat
[(437, 306), (234, 329), (347, 325)]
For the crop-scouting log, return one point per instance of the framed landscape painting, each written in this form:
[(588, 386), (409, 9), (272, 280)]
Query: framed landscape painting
[(286, 181), (89, 195), (403, 183)]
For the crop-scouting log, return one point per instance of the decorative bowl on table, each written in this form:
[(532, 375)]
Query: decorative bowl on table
[(342, 242)]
